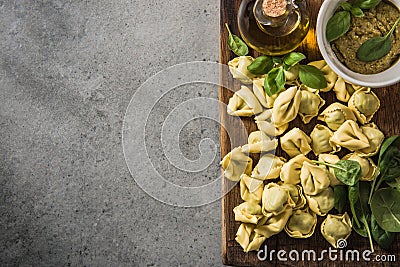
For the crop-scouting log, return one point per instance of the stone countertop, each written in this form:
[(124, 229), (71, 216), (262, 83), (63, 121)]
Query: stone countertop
[(68, 70)]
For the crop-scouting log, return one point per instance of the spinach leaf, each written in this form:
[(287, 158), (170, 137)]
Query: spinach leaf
[(376, 47), (386, 209), (292, 59), (386, 144), (346, 171), (312, 77), (340, 194), (338, 25), (368, 4), (261, 65), (274, 81), (361, 230), (382, 237), (353, 199), (235, 44)]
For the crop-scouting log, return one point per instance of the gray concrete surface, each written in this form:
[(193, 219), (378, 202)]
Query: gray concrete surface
[(68, 70)]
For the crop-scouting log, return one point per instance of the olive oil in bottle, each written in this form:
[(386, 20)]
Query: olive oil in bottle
[(273, 27)]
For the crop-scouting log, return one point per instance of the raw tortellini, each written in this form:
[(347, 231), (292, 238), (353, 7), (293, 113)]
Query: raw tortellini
[(258, 90), (309, 105), (350, 136), (286, 106), (320, 140), (290, 171), (301, 224), (296, 142), (248, 212), (335, 115), (268, 167), (323, 202), (244, 103), (251, 189), (368, 167), (238, 68), (314, 178), (235, 163), (375, 138), (247, 238), (266, 124), (330, 75), (331, 159), (336, 227), (364, 103), (296, 193), (344, 90), (259, 142), (276, 200), (272, 224)]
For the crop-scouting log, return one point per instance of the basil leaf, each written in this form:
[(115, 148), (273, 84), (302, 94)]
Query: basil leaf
[(312, 77), (368, 4), (292, 59), (274, 81), (338, 25), (356, 12), (377, 47), (382, 237), (340, 194), (346, 6), (261, 65), (235, 44), (386, 209), (277, 60)]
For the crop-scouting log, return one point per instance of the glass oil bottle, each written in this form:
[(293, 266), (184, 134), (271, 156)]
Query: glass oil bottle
[(273, 27)]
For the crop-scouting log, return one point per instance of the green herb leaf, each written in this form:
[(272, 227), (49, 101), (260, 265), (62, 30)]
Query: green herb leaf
[(382, 237), (277, 60), (356, 12), (386, 209), (346, 6), (292, 59), (340, 194), (312, 77), (346, 171), (376, 47), (261, 65), (338, 25), (353, 199), (386, 144), (361, 230), (368, 4), (235, 44), (274, 81)]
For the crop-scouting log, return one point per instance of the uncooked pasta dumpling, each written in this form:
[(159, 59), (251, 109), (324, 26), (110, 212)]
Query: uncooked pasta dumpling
[(344, 90), (329, 74), (323, 202), (272, 224), (291, 75), (244, 103), (310, 104), (235, 163), (296, 193), (286, 106), (314, 178), (331, 159), (335, 228), (251, 189), (368, 167), (290, 171), (335, 115), (276, 199), (258, 141), (320, 140), (238, 68), (248, 239), (248, 212), (268, 167), (265, 124), (301, 224), (258, 90), (365, 104), (296, 142), (350, 136), (375, 138)]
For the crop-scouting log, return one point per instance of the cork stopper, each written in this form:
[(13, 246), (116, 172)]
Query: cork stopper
[(274, 8)]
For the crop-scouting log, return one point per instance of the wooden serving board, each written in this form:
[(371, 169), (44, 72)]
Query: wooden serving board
[(387, 119)]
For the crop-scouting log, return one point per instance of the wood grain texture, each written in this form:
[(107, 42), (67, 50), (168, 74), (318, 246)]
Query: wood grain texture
[(387, 119)]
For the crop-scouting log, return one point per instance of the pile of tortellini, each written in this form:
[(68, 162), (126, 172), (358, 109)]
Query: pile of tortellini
[(301, 189)]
